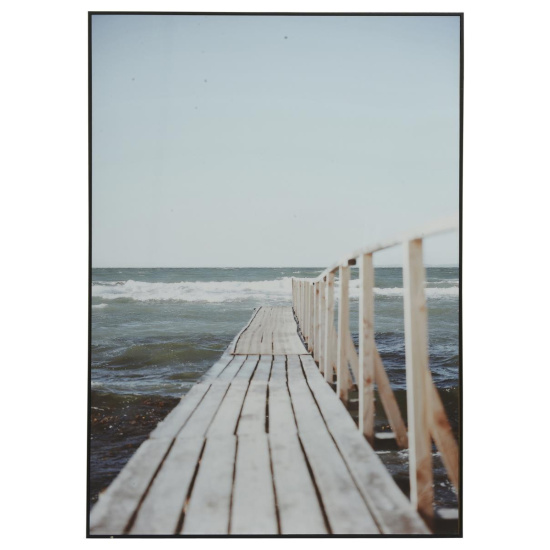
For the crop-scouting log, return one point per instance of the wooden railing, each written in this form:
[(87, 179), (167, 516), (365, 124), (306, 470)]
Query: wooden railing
[(333, 349)]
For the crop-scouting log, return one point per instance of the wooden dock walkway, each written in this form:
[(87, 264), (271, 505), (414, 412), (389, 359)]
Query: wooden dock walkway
[(261, 445)]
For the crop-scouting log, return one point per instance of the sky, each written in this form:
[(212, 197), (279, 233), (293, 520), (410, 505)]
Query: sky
[(269, 140)]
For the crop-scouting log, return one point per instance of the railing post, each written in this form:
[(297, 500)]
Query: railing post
[(311, 329), (416, 351), (329, 326), (366, 347), (306, 311), (322, 313), (342, 371), (316, 319)]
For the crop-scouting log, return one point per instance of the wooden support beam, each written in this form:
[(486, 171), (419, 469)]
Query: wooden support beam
[(365, 379), (329, 327), (322, 319), (342, 372), (315, 290), (391, 408), (418, 390), (311, 320)]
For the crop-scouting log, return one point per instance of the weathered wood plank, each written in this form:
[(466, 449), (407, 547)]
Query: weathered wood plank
[(329, 327), (280, 415), (273, 331), (162, 508), (391, 510), (200, 420), (115, 507), (342, 373), (344, 507), (176, 419), (208, 511), (253, 415), (253, 511), (418, 390), (299, 509), (226, 418)]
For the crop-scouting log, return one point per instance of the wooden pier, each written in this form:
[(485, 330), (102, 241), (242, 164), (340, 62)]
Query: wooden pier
[(263, 445), (260, 445)]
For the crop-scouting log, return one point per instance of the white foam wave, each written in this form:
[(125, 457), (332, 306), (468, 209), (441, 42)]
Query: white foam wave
[(278, 291), (199, 291), (99, 306)]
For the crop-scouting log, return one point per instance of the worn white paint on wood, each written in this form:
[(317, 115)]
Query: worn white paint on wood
[(322, 314), (316, 319), (233, 345), (299, 509), (329, 327), (342, 373), (345, 508), (391, 510), (208, 510), (177, 418), (162, 507), (365, 378), (280, 414), (227, 416), (418, 390), (115, 507), (272, 331), (253, 414), (200, 420), (253, 510)]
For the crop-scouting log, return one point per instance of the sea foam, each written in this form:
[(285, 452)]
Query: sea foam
[(279, 290)]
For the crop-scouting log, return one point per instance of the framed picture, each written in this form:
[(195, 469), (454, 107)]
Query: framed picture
[(275, 274)]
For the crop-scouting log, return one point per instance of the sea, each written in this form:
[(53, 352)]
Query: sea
[(155, 332)]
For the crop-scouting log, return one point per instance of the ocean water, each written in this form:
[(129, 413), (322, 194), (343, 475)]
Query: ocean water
[(156, 331)]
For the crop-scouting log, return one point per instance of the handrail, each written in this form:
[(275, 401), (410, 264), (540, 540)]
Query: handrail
[(333, 350), (437, 227)]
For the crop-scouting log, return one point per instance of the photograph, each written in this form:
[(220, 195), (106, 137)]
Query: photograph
[(275, 275)]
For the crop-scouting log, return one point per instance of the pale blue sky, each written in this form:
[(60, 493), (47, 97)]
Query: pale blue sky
[(271, 140)]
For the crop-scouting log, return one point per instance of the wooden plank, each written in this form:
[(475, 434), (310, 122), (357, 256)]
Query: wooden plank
[(208, 511), (200, 420), (274, 331), (329, 327), (344, 507), (416, 355), (299, 509), (251, 331), (218, 367), (115, 507), (342, 373), (253, 511), (233, 344), (391, 510), (227, 416), (176, 419), (161, 510), (280, 414), (253, 415), (266, 339), (365, 378)]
